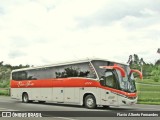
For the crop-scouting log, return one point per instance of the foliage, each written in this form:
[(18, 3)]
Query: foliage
[(5, 71), (158, 62), (4, 92), (149, 70), (156, 73)]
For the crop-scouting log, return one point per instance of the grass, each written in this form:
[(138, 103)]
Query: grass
[(148, 81), (148, 88), (148, 103), (4, 92), (148, 92)]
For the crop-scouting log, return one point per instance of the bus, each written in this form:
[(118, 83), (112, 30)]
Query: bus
[(87, 82)]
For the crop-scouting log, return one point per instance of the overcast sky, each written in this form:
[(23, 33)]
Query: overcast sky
[(39, 32)]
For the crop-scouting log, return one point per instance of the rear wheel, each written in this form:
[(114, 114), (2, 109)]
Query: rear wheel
[(25, 98), (90, 102)]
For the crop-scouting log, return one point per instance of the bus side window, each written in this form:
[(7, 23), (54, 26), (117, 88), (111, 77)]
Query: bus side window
[(14, 75), (20, 75), (75, 70), (110, 80)]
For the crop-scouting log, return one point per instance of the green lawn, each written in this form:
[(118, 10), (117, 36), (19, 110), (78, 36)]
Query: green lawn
[(4, 92), (148, 88), (148, 81), (148, 92)]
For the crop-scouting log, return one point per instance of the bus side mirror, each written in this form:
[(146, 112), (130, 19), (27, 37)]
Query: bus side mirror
[(137, 71), (116, 67)]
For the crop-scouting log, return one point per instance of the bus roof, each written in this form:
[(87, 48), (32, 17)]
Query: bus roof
[(67, 63)]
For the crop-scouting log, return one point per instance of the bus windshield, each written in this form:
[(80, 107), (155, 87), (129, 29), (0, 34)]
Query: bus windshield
[(126, 83), (113, 78)]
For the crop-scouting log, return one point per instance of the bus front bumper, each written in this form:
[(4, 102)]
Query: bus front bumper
[(128, 101)]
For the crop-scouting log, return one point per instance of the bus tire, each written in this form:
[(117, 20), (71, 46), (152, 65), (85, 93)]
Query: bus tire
[(25, 98), (90, 102)]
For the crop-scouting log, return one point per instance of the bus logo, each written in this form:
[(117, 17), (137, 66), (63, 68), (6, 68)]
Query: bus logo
[(27, 84)]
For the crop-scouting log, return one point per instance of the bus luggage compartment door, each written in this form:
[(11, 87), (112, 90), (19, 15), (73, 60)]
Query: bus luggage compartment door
[(58, 94)]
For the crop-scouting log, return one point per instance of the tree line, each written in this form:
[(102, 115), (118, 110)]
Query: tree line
[(149, 70)]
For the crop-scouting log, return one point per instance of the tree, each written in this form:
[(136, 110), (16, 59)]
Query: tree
[(149, 70), (157, 62), (136, 59), (1, 63), (156, 73), (130, 60)]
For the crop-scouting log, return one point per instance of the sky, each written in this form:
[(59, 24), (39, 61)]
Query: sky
[(40, 32)]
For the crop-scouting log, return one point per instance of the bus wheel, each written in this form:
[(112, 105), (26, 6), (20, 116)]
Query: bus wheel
[(90, 102), (25, 98), (41, 101)]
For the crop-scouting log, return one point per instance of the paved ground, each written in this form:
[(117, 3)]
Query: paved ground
[(7, 104)]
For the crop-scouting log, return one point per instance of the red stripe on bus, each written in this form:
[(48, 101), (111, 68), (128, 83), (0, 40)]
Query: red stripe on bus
[(65, 82)]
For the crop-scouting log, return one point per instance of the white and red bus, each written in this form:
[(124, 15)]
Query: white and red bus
[(84, 82)]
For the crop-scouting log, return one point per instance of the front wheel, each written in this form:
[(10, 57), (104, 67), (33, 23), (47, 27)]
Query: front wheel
[(90, 102)]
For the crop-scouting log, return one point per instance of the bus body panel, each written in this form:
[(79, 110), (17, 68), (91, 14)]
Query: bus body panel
[(108, 98), (58, 94), (73, 95), (69, 95), (69, 89), (45, 94), (103, 95)]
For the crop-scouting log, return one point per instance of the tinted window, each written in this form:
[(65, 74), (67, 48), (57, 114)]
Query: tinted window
[(75, 70), (41, 73), (19, 75)]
